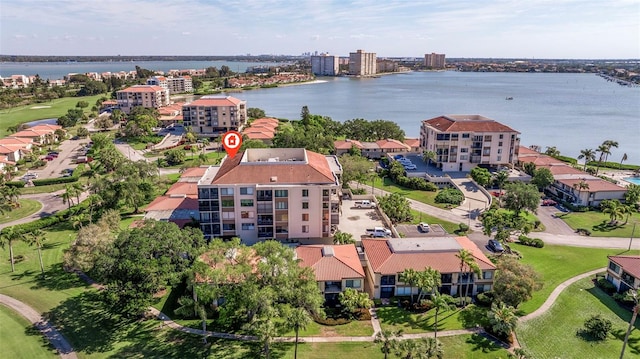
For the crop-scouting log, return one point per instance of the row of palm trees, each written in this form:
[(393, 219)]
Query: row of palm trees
[(604, 150), (10, 235)]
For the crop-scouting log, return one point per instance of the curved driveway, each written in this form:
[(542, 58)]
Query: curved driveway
[(58, 341)]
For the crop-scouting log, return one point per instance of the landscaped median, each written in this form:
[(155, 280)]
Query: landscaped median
[(598, 223)]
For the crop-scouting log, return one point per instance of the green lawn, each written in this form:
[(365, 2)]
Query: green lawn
[(559, 263), (560, 324), (598, 223), (57, 108), (420, 196), (27, 208), (394, 318), (418, 217), (20, 339)]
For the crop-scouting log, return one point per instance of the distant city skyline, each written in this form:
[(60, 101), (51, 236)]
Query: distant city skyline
[(542, 29)]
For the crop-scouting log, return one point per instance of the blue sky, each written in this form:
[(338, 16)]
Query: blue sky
[(478, 28)]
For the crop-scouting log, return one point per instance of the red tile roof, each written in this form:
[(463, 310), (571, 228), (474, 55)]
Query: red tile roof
[(384, 261), (412, 142), (540, 160), (391, 144), (315, 171), (467, 123), (595, 184), (16, 141), (187, 188), (8, 149), (215, 102), (346, 144), (194, 172), (172, 203), (143, 88), (260, 135), (46, 127), (525, 151), (630, 264), (344, 263)]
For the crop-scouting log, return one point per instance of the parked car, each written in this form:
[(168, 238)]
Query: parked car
[(495, 246), (404, 160), (549, 202), (49, 158), (29, 176), (53, 154), (410, 167), (365, 204), (423, 227), (378, 232), (397, 157)]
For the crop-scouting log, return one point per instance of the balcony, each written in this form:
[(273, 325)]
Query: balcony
[(265, 198), (265, 234), (332, 287)]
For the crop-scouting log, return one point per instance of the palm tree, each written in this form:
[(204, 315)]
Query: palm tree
[(409, 276), (433, 348), (188, 306), (77, 188), (503, 319), (614, 210), (501, 178), (635, 295), (552, 151), (609, 144), (67, 196), (604, 151), (388, 339), (440, 302), (465, 257), (589, 155), (428, 281), (205, 143), (410, 349), (628, 210), (428, 156), (7, 237), (36, 237), (624, 158), (298, 318)]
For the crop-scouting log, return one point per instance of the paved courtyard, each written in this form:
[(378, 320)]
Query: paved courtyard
[(356, 221)]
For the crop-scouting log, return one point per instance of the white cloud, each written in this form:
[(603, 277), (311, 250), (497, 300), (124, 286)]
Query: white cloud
[(186, 33)]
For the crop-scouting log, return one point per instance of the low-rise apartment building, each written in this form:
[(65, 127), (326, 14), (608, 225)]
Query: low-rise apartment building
[(386, 259), (271, 193), (150, 96), (462, 142), (211, 116), (179, 84), (624, 272), (337, 267)]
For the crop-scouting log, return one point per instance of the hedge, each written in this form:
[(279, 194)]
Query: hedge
[(57, 180), (614, 165), (16, 184), (571, 160), (531, 242)]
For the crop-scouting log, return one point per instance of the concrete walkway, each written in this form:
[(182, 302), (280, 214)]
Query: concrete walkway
[(57, 340), (51, 203)]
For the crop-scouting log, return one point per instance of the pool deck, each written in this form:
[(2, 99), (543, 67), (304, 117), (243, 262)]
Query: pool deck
[(620, 176)]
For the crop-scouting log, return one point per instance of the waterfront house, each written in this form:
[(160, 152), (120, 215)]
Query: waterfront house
[(386, 259), (336, 267), (462, 142), (624, 272), (344, 146)]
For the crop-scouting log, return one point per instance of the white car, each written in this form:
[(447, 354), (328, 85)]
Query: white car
[(410, 167), (424, 227)]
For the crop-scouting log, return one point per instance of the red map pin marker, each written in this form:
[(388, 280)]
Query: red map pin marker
[(231, 141)]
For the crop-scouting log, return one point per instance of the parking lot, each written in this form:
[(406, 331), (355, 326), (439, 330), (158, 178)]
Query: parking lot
[(68, 153), (356, 221), (412, 231)]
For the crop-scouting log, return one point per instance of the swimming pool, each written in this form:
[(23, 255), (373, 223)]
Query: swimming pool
[(634, 180)]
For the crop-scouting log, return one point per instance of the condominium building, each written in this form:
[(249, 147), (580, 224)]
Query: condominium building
[(434, 61), (325, 65), (211, 116), (178, 84), (462, 142), (149, 96), (271, 193), (362, 63)]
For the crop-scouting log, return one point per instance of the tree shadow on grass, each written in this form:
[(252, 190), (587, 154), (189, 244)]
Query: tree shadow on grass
[(605, 226), (49, 245), (633, 344), (473, 316), (399, 316), (87, 324), (56, 278), (32, 331), (482, 343)]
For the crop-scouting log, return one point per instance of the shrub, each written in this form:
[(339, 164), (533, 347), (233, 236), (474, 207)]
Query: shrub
[(606, 286), (596, 328), (583, 232), (463, 228), (450, 195), (331, 321), (531, 242), (17, 184), (485, 299), (48, 181), (358, 191)]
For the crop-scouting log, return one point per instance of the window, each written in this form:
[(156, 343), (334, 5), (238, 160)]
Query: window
[(246, 203), (464, 150), (282, 193), (464, 157), (305, 229), (481, 288), (248, 226), (445, 278), (305, 205), (281, 205), (487, 138), (246, 190), (246, 214), (305, 217), (228, 215), (465, 135), (353, 283), (499, 150), (614, 267), (226, 191), (400, 291), (228, 227), (487, 275), (305, 193), (388, 280), (500, 144), (501, 136), (499, 158), (227, 203)]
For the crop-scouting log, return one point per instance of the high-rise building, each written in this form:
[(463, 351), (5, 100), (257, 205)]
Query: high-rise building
[(434, 61), (178, 84), (211, 116), (325, 65), (362, 63), (150, 96), (271, 193), (462, 142)]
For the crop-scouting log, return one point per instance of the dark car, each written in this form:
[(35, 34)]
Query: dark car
[(495, 246)]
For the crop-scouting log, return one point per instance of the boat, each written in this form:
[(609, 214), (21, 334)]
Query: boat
[(509, 98)]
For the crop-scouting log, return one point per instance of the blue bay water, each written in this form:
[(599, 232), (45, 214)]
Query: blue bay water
[(569, 111)]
